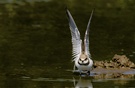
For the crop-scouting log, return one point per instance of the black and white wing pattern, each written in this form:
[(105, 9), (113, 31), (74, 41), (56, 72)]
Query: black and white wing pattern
[(86, 38), (76, 41)]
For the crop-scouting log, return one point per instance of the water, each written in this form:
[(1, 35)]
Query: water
[(67, 83), (35, 40)]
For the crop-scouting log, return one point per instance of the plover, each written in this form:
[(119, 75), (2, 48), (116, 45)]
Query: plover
[(81, 53)]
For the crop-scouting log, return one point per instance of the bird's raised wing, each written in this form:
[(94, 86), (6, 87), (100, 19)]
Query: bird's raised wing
[(76, 41), (86, 38)]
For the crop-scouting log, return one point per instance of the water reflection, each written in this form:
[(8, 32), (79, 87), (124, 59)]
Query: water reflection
[(83, 83)]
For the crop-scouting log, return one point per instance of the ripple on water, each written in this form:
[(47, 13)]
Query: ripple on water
[(52, 79)]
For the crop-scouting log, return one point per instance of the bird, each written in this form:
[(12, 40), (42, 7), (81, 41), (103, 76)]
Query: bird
[(82, 83), (80, 52)]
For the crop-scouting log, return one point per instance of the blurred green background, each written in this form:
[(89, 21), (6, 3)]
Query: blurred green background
[(36, 32)]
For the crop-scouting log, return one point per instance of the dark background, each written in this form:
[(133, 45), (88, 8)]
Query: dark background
[(36, 32)]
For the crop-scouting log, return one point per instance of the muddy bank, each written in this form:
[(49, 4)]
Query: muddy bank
[(118, 61), (103, 73), (118, 67)]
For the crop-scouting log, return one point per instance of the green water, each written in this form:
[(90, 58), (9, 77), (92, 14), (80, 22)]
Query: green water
[(35, 39), (67, 83)]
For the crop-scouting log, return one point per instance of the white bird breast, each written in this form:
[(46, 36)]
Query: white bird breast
[(83, 67)]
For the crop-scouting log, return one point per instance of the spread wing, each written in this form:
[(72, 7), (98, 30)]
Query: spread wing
[(86, 38), (76, 41)]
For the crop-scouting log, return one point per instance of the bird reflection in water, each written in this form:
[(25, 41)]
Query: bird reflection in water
[(82, 83)]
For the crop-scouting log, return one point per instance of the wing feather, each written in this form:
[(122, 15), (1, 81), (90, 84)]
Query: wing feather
[(76, 41), (86, 38)]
